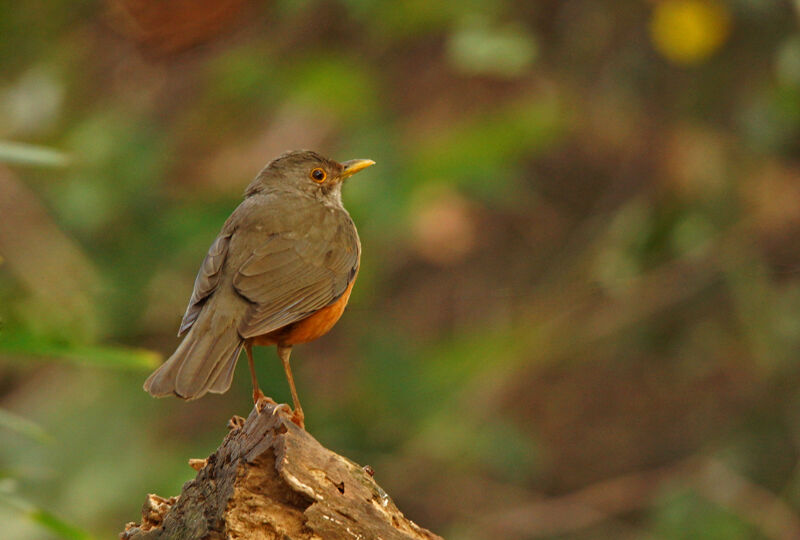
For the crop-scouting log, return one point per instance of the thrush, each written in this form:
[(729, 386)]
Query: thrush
[(279, 273)]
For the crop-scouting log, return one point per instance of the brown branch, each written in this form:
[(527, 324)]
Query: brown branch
[(775, 518), (612, 498), (271, 479)]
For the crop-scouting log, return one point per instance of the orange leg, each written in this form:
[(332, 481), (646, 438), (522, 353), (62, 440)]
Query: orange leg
[(297, 416), (258, 396)]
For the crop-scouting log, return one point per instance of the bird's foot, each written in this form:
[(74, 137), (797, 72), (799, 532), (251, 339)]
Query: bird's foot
[(282, 407), (295, 416), (261, 401)]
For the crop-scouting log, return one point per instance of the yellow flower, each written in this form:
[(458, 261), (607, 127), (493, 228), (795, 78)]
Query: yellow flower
[(687, 32)]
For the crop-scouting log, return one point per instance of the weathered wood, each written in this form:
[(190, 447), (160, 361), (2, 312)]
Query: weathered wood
[(271, 479)]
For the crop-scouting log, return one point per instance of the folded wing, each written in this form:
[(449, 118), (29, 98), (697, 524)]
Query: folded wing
[(206, 281), (297, 273)]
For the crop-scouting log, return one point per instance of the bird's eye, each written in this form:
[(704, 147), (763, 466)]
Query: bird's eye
[(318, 175)]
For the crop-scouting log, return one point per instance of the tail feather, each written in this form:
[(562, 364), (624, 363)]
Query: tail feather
[(203, 362), (221, 381)]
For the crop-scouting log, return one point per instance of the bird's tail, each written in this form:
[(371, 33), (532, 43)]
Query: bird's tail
[(203, 362)]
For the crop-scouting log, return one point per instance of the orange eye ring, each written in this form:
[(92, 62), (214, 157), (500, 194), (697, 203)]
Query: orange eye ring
[(318, 175)]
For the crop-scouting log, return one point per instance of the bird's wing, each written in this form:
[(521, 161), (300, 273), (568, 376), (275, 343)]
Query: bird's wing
[(207, 280), (297, 272)]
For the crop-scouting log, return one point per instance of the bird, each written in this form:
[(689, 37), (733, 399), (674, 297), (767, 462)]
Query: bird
[(280, 273)]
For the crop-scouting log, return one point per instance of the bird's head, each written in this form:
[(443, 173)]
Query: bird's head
[(306, 172)]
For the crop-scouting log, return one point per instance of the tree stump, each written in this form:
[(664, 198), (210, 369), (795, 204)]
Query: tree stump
[(271, 479)]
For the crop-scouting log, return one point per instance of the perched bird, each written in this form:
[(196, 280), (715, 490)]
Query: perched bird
[(279, 273)]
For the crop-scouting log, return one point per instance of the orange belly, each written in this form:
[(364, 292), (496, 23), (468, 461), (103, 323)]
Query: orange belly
[(315, 325)]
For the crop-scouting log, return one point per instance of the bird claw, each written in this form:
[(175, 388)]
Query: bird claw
[(281, 407), (261, 401), (295, 416)]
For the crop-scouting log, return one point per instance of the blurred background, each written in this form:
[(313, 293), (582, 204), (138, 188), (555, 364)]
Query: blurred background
[(578, 312)]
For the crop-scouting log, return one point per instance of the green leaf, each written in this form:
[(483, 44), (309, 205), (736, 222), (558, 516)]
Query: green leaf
[(95, 355), (484, 151), (502, 51), (682, 514), (58, 526), (29, 154), (43, 518)]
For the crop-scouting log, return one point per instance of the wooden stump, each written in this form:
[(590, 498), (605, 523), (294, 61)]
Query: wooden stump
[(271, 479)]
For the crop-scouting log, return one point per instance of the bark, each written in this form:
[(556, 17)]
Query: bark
[(271, 479)]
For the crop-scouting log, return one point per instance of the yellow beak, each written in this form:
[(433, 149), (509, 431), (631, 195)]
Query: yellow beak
[(354, 165)]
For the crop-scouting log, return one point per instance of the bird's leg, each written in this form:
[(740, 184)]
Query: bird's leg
[(297, 416), (259, 399)]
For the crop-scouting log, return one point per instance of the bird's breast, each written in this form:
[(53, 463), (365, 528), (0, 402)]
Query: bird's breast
[(312, 327)]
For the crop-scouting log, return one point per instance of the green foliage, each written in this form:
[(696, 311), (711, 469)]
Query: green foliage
[(43, 519), (683, 516), (508, 51), (57, 526), (18, 344)]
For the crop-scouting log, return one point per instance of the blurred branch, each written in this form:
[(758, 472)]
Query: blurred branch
[(61, 282), (586, 507), (23, 426), (271, 478), (765, 510), (611, 498), (59, 278)]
